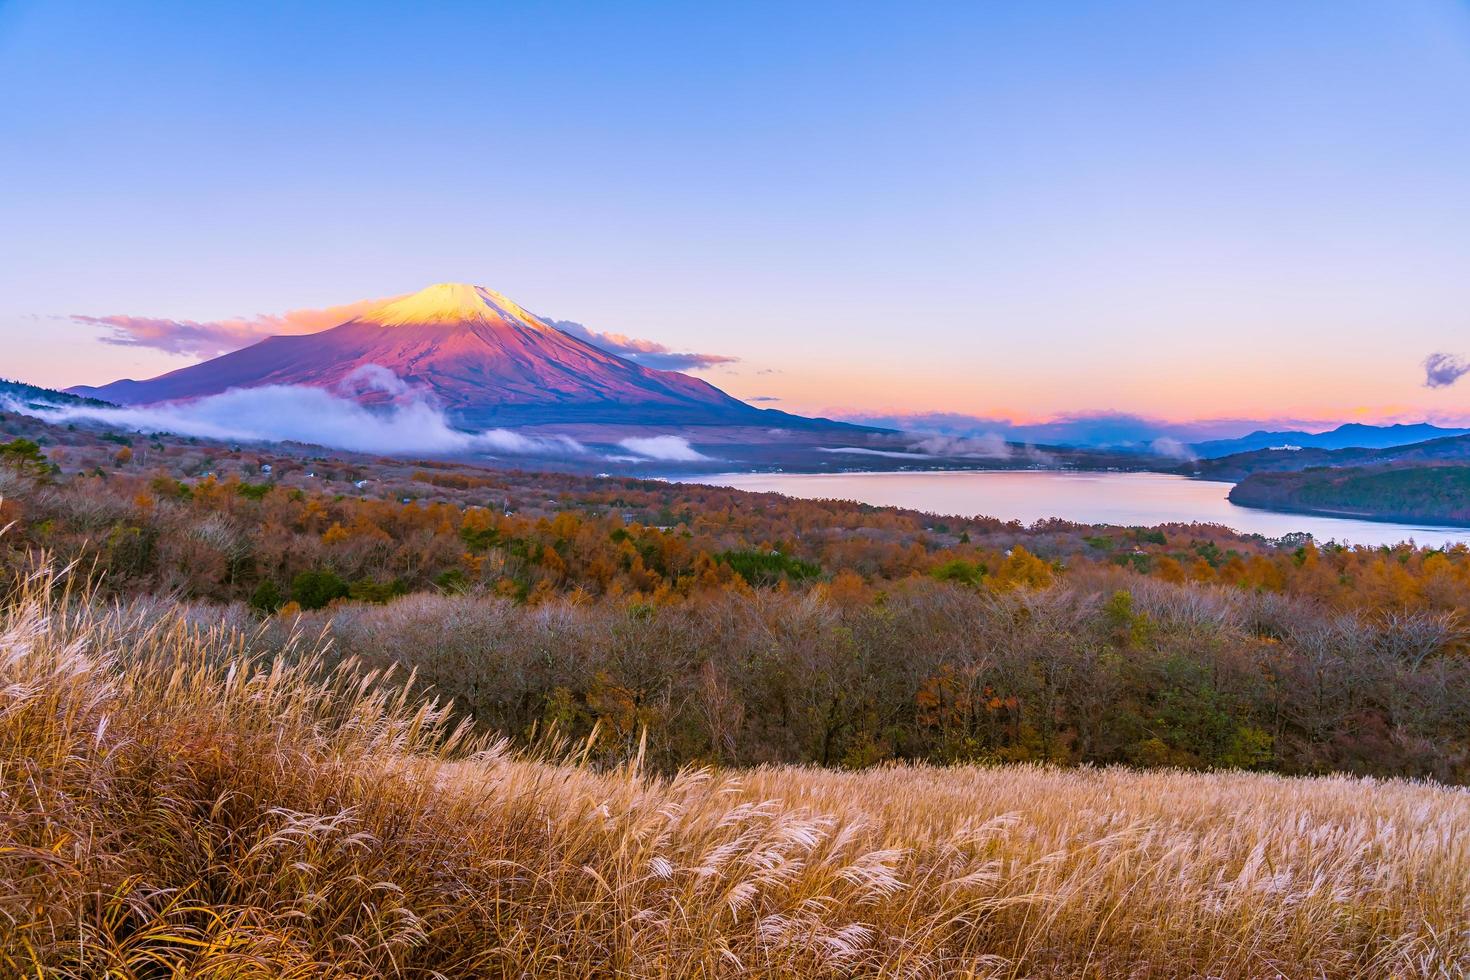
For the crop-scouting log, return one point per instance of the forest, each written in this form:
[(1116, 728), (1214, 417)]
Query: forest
[(720, 627), (1434, 493)]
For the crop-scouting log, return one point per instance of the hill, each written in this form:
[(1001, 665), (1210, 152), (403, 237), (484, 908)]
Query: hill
[(484, 358), (1351, 435), (176, 806), (35, 396), (1437, 494)]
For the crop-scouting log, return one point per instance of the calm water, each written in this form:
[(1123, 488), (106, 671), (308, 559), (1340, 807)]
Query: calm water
[(1092, 498)]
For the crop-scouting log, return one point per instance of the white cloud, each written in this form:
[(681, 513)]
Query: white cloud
[(1166, 446), (860, 451), (412, 423), (669, 448), (987, 446)]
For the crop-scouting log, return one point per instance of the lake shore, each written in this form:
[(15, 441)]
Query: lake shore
[(1122, 498)]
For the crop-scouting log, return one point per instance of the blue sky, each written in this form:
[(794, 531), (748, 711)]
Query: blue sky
[(1186, 210)]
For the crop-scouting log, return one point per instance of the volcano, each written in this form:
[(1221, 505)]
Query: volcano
[(484, 358)]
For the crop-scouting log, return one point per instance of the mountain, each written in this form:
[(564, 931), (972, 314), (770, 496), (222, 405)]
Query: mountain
[(1238, 466), (1423, 481), (486, 359), (1349, 436)]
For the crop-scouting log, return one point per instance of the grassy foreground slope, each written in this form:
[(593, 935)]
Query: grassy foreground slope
[(170, 808)]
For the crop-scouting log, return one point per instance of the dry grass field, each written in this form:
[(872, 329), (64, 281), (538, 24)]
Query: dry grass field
[(171, 808)]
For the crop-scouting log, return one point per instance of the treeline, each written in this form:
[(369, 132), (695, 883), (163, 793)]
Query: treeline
[(280, 545), (273, 546), (1111, 669)]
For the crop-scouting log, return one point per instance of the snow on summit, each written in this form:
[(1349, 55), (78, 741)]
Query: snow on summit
[(451, 302)]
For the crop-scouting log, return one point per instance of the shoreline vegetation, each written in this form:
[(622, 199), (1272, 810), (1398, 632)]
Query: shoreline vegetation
[(1438, 494), (1431, 521), (178, 805)]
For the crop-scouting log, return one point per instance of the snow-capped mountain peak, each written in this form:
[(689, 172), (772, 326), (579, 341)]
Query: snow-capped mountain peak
[(481, 356), (451, 302)]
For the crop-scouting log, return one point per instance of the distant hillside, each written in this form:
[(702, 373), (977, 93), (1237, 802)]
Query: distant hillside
[(1438, 494), (1237, 467), (1351, 435), (33, 395)]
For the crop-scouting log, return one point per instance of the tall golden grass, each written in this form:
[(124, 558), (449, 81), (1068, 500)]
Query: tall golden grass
[(170, 807)]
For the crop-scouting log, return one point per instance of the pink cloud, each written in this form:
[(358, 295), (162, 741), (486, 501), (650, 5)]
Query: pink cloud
[(210, 338), (649, 353)]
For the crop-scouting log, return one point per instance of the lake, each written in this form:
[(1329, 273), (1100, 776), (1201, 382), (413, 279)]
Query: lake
[(1089, 498)]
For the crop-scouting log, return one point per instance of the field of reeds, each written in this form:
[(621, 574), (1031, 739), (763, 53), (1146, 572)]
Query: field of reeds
[(171, 806)]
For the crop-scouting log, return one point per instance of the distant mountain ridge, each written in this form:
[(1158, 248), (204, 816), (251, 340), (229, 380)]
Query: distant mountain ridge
[(1238, 466), (485, 358), (1423, 481), (1352, 435), (1125, 432)]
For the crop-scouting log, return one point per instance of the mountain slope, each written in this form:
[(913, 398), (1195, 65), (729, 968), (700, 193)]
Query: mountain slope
[(484, 357)]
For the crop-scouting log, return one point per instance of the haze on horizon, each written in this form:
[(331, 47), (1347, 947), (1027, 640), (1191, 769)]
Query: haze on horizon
[(1018, 210)]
